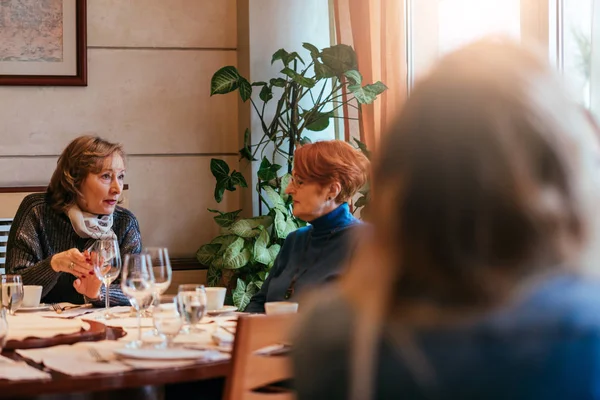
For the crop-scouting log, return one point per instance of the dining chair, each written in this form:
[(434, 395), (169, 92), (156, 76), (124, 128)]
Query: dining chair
[(255, 371)]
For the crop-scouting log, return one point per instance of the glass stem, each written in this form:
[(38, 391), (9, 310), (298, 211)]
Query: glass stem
[(139, 318), (107, 298)]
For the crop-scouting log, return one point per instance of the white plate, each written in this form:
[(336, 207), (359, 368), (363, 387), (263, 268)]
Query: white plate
[(224, 310), (41, 307), (162, 354)]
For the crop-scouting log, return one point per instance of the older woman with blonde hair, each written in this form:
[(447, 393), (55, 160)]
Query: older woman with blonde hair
[(325, 177), (51, 231), (471, 287)]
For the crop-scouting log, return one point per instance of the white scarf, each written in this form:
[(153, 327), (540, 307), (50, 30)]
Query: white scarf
[(88, 225)]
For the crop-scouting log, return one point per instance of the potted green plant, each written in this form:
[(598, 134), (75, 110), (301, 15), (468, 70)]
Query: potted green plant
[(245, 250)]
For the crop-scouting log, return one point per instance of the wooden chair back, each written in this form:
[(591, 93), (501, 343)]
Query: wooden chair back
[(251, 370)]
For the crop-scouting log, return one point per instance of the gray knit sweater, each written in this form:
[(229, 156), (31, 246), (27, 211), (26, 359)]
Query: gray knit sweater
[(38, 232)]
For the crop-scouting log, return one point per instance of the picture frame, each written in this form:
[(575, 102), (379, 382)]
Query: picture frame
[(43, 43)]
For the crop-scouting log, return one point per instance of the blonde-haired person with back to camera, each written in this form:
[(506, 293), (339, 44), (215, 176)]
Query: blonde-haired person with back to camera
[(50, 232), (471, 288), (325, 177)]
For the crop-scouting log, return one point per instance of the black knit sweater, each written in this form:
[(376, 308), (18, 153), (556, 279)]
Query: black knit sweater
[(38, 232)]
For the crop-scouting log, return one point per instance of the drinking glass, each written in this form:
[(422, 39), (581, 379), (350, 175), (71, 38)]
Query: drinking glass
[(106, 259), (192, 300), (3, 327), (167, 319), (161, 267), (12, 292), (137, 283)]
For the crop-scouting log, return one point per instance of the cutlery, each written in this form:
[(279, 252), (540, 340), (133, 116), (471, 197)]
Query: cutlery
[(97, 356)]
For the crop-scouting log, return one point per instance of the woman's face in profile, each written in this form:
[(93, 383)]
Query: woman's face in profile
[(310, 199), (101, 191)]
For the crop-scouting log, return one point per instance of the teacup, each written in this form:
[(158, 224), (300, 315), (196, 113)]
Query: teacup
[(32, 294), (215, 298), (281, 307)]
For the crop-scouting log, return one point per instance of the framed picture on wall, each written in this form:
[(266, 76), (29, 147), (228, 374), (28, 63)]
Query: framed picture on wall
[(43, 42)]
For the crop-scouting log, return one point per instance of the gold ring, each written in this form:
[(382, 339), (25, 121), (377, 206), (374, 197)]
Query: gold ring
[(72, 265)]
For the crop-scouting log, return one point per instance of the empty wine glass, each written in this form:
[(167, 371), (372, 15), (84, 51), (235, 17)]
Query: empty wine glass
[(161, 268), (106, 259), (12, 292), (167, 318), (137, 283), (3, 327), (192, 300)]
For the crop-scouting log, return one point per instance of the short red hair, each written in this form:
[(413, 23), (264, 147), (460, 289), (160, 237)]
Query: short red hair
[(331, 161)]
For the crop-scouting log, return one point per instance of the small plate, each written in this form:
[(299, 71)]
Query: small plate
[(162, 354), (224, 310), (41, 307)]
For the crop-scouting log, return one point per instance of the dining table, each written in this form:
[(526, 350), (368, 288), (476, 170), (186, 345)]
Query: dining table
[(93, 363)]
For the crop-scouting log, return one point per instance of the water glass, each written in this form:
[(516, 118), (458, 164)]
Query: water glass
[(161, 268), (12, 292), (137, 283), (3, 327), (167, 319), (192, 300), (106, 259)]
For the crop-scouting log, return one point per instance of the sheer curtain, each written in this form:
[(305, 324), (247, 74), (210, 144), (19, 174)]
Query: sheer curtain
[(376, 30)]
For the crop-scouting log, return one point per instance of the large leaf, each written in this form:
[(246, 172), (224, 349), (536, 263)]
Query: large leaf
[(274, 250), (245, 89), (238, 261), (243, 293), (339, 58), (225, 219), (234, 249), (323, 71), (354, 76), (237, 178), (274, 198), (225, 80), (213, 276), (246, 151), (314, 51), (290, 226), (207, 253), (280, 224), (277, 82), (244, 228), (264, 220), (267, 171), (219, 191), (368, 93), (285, 182), (224, 241), (317, 121), (219, 168), (298, 78), (266, 93), (285, 57), (261, 253)]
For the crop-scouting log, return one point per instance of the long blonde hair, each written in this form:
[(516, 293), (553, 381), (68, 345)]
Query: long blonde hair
[(476, 188)]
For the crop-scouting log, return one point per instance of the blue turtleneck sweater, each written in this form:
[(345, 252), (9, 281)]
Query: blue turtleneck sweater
[(310, 256)]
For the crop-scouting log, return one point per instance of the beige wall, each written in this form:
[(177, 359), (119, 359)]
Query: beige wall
[(150, 64)]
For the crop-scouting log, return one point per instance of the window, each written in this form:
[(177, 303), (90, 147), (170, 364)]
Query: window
[(574, 26), (436, 27)]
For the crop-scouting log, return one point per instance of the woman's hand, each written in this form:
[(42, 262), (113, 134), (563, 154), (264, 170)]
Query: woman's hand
[(73, 262), (89, 287)]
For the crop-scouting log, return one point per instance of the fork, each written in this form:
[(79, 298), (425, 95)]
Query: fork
[(97, 356), (57, 308)]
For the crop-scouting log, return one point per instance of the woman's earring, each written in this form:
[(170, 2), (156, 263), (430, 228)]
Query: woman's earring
[(329, 198)]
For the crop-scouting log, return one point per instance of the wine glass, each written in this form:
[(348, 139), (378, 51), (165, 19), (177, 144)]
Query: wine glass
[(161, 267), (137, 283), (192, 300), (3, 327), (167, 319), (106, 259), (12, 292)]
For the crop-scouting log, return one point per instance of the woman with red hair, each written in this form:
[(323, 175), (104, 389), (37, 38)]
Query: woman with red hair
[(326, 176)]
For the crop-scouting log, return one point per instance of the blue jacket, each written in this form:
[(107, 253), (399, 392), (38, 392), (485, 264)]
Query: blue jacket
[(314, 255)]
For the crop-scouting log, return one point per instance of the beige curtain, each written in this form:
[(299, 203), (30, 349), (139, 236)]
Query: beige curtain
[(376, 30)]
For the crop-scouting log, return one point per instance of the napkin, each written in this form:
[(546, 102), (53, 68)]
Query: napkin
[(21, 326), (18, 370)]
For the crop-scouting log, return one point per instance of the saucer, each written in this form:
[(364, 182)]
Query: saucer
[(224, 310), (41, 307)]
